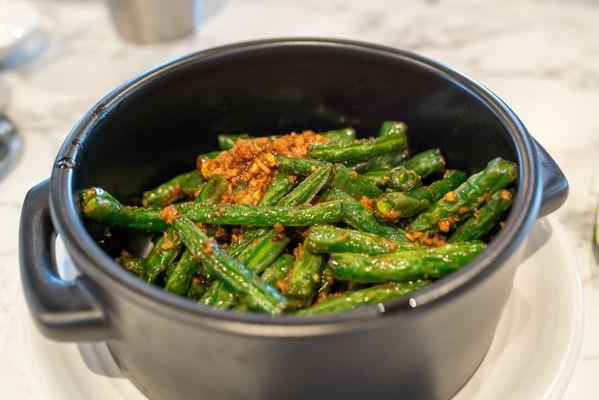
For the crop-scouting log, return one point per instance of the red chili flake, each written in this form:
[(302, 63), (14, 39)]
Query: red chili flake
[(414, 236), (450, 196), (445, 224), (167, 244), (367, 202), (220, 232), (283, 284), (438, 240), (169, 213), (392, 246), (176, 189), (202, 227), (208, 249), (506, 195), (391, 216), (298, 250)]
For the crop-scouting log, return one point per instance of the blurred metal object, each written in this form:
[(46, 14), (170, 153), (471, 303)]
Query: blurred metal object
[(9, 145), (151, 21)]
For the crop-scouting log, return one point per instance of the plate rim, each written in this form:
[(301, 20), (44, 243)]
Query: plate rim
[(571, 348), (571, 357)]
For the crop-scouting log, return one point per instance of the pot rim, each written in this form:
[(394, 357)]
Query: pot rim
[(99, 265)]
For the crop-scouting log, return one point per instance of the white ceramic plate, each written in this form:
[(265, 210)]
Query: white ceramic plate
[(18, 19), (532, 356)]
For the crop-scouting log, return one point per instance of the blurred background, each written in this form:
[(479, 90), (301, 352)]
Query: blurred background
[(59, 57)]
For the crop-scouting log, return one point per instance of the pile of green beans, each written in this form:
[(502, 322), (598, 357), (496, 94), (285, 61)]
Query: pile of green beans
[(356, 222)]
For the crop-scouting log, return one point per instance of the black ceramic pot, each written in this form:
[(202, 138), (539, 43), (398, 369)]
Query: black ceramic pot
[(152, 127)]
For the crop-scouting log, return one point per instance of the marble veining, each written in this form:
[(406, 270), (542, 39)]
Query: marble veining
[(540, 56)]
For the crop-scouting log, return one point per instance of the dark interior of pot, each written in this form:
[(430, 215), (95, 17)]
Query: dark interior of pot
[(159, 128)]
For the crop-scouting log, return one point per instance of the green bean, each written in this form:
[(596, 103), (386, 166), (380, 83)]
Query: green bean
[(389, 160), (197, 288), (101, 207), (326, 282), (258, 255), (279, 187), (330, 239), (236, 248), (236, 277), (377, 177), (245, 214), (358, 217), (359, 149), (324, 195), (217, 296), (278, 269), (353, 184), (180, 278), (308, 188), (498, 174), (371, 295), (482, 222), (343, 135), (165, 251), (265, 250), (134, 264), (305, 166), (398, 178), (240, 307), (207, 156), (213, 190), (403, 179), (358, 166), (180, 187), (227, 141), (389, 128), (212, 193), (403, 266), (305, 276), (298, 166), (426, 163), (395, 205)]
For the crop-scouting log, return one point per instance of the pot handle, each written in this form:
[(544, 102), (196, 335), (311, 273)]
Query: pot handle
[(63, 310), (553, 181)]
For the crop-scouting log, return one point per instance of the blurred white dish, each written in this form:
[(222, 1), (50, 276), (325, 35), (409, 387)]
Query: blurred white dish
[(532, 356), (538, 339), (18, 19)]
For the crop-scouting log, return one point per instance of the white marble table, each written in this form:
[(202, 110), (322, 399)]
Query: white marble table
[(541, 57)]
